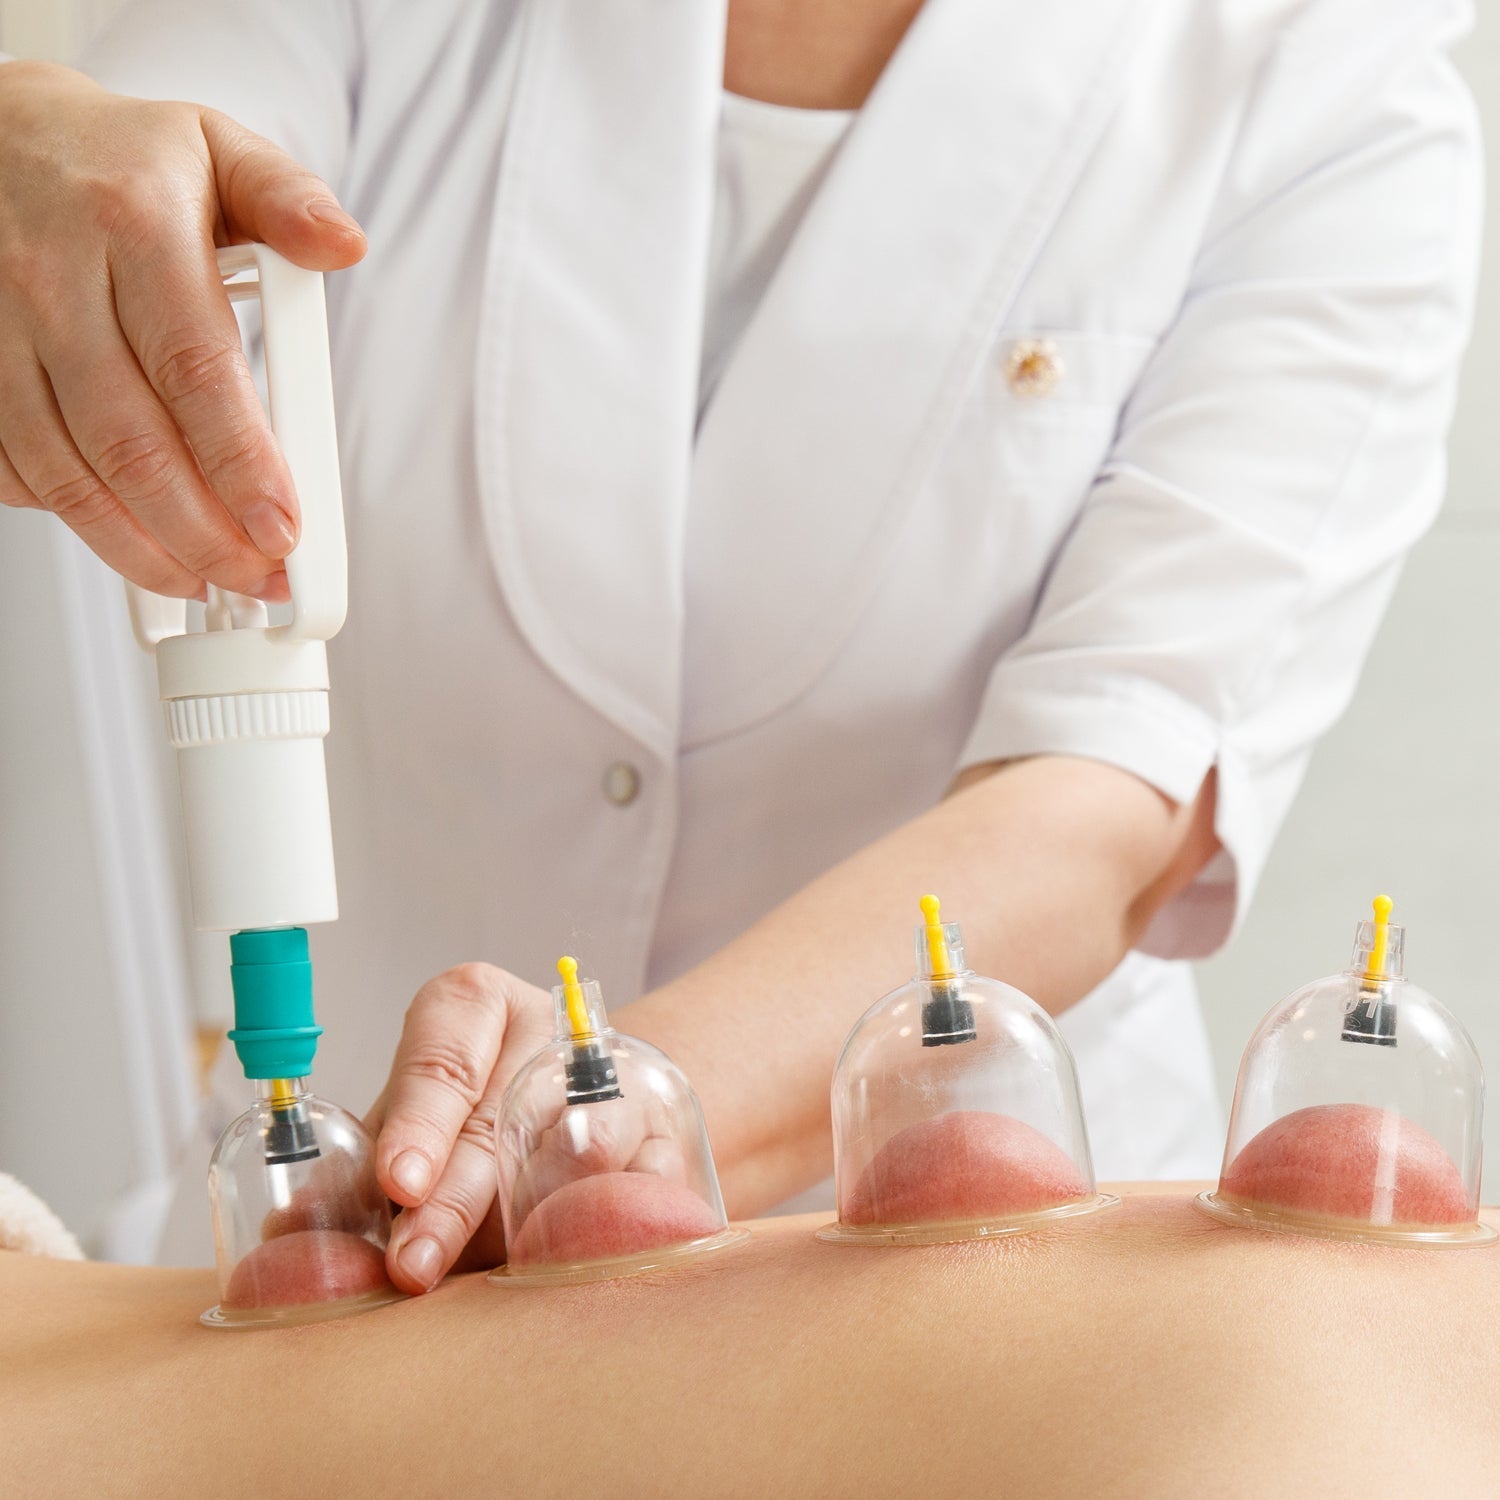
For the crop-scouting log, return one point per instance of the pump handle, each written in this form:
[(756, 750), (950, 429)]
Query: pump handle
[(299, 384)]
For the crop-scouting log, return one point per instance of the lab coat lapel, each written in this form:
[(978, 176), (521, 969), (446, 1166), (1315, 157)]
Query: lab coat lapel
[(589, 346), (830, 414)]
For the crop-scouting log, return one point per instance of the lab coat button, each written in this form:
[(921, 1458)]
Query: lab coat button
[(1033, 367), (622, 783)]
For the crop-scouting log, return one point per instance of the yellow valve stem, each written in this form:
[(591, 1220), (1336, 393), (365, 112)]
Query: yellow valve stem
[(578, 1012), (937, 944), (1375, 969), (282, 1093)]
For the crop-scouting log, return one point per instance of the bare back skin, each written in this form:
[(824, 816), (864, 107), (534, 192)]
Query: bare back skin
[(1146, 1351)]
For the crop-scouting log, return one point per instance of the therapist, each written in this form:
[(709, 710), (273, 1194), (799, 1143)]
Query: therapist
[(866, 448)]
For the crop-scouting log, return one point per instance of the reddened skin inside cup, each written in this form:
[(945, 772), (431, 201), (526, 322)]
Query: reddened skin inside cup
[(1358, 1112), (1353, 1162), (611, 1216), (307, 1265), (300, 1224), (956, 1109), (603, 1161), (964, 1165)]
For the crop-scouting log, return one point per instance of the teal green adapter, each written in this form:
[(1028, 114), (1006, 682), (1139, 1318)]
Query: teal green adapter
[(275, 1032)]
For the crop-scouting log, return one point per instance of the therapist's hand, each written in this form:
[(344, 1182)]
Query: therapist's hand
[(466, 1034), (126, 405)]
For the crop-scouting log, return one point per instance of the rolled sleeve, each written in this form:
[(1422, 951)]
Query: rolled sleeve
[(1129, 722), (1281, 453)]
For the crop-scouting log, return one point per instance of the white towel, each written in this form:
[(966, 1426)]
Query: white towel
[(28, 1225)]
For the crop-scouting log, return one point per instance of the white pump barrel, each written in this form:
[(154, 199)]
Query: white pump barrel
[(247, 703)]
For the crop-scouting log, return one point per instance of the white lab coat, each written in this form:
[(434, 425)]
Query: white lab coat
[(1247, 228)]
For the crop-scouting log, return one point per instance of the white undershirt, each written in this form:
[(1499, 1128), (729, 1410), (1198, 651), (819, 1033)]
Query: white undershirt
[(771, 162)]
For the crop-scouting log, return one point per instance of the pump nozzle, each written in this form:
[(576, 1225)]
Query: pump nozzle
[(1371, 1013), (1375, 969), (937, 942), (590, 1070), (947, 1018), (578, 1014)]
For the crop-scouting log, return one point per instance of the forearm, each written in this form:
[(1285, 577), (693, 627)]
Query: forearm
[(1053, 865)]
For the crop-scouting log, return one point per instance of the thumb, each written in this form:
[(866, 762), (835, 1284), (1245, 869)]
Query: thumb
[(264, 195)]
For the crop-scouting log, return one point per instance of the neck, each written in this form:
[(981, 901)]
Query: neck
[(812, 54)]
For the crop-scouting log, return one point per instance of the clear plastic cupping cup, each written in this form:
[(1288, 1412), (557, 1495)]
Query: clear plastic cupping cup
[(300, 1223), (1359, 1111), (602, 1155), (956, 1110)]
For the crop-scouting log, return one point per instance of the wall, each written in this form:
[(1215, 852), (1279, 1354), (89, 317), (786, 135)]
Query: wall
[(98, 1086), (59, 1049)]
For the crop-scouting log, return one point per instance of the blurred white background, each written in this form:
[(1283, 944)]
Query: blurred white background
[(96, 1078)]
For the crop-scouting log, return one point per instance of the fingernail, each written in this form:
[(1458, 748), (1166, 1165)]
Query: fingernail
[(326, 211), (411, 1172), (270, 528), (422, 1260)]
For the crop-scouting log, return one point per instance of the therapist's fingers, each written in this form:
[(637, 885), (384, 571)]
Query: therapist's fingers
[(457, 1226), (267, 196), (227, 488), (174, 313), (153, 445), (464, 1037), (41, 468), (450, 1043), (466, 1028), (134, 441)]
